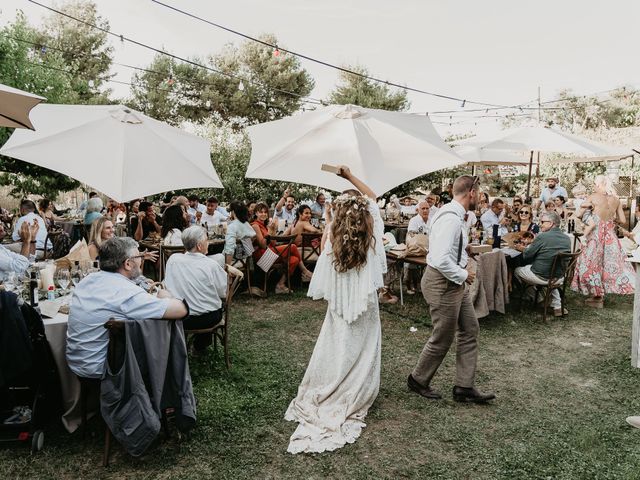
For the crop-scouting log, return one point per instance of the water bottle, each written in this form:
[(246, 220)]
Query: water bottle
[(51, 294), (33, 289)]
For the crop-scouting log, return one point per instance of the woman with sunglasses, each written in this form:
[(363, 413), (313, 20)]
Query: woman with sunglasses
[(525, 221)]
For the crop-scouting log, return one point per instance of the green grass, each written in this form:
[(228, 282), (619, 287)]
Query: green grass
[(560, 409)]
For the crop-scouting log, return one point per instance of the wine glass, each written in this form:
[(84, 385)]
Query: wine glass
[(76, 276), (63, 277)]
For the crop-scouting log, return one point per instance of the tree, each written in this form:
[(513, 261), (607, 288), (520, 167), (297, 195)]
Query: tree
[(24, 67), (84, 49), (246, 87), (357, 90)]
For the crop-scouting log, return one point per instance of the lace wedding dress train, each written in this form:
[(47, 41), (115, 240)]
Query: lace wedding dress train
[(343, 376)]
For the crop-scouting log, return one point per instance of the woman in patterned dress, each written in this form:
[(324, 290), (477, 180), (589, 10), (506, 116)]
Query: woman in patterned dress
[(602, 266)]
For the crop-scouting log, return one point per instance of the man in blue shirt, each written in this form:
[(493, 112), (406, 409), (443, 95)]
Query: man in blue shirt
[(108, 294), (552, 191)]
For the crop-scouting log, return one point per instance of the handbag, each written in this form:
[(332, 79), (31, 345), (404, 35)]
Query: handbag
[(417, 245), (267, 260)]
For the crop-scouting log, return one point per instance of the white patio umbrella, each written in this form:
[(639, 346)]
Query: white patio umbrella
[(384, 149), (15, 106), (114, 149), (543, 139), (476, 156)]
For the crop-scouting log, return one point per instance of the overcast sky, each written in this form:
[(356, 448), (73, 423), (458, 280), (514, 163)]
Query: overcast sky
[(495, 51)]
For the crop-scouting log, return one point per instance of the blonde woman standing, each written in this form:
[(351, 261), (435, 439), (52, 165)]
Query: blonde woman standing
[(602, 267), (343, 377)]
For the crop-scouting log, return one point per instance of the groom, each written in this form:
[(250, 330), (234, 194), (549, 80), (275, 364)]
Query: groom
[(444, 286)]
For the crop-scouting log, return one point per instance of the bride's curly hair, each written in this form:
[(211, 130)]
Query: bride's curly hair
[(351, 232)]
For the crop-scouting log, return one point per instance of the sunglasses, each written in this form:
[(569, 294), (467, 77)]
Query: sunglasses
[(524, 212)]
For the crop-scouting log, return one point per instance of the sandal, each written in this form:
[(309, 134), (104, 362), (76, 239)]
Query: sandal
[(280, 290)]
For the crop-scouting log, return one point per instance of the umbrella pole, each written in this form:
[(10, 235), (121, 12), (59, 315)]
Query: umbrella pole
[(529, 177), (473, 170)]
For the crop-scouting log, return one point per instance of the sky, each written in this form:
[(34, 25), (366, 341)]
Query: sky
[(494, 51)]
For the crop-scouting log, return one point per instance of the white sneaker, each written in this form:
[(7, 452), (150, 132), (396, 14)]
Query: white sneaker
[(634, 421)]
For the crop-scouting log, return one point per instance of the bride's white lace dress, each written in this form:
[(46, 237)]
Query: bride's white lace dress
[(343, 376)]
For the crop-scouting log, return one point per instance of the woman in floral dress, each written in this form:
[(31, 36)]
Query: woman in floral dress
[(602, 267)]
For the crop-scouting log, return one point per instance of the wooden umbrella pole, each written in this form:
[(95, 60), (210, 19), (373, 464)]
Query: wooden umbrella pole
[(529, 177)]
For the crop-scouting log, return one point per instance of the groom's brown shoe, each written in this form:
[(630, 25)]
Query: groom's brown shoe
[(461, 394), (426, 392)]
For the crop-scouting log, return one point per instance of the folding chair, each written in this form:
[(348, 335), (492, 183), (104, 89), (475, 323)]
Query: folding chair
[(284, 254), (310, 247), (165, 252)]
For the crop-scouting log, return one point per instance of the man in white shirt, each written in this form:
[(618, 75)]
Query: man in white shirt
[(451, 308), (29, 215), (433, 199), (111, 293), (212, 216), (199, 280), (194, 207), (11, 262), (495, 216), (318, 207), (286, 208), (420, 223)]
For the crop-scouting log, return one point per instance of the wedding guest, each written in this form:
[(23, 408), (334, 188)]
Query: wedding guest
[(83, 205), (111, 294), (173, 223), (251, 207), (602, 267), (238, 230), (94, 207), (265, 227), (495, 216), (302, 224), (525, 223), (212, 216), (200, 281), (552, 190), (420, 223), (101, 231), (285, 208), (145, 222), (318, 207), (559, 202), (29, 215), (538, 257), (45, 209), (18, 263), (484, 204)]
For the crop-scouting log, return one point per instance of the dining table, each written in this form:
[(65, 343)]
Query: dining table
[(490, 290)]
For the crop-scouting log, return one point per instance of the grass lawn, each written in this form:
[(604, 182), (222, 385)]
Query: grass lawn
[(564, 390)]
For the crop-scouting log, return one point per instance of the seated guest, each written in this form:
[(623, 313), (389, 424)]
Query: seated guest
[(238, 230), (196, 209), (318, 207), (14, 262), (83, 205), (45, 209), (28, 215), (212, 216), (302, 224), (550, 206), (101, 231), (525, 223), (285, 208), (420, 223), (495, 216), (173, 223), (94, 207), (433, 200), (515, 208), (110, 293), (408, 207), (559, 202), (263, 228), (145, 222), (538, 257), (251, 208), (200, 281)]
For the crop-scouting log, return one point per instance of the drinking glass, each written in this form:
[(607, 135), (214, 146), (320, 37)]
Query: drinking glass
[(63, 277)]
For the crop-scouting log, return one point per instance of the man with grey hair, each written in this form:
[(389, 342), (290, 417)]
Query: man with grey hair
[(111, 293), (538, 257), (199, 280)]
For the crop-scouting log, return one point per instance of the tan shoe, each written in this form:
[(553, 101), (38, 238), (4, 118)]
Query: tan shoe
[(557, 312), (385, 296)]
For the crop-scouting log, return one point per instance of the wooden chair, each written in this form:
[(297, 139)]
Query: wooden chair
[(246, 266), (310, 248), (284, 255), (554, 283), (221, 330), (53, 237), (165, 252)]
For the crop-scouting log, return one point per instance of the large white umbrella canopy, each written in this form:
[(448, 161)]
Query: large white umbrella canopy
[(116, 150), (482, 156), (543, 139), (15, 106), (384, 149)]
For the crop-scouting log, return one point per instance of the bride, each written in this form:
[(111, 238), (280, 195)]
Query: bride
[(343, 376)]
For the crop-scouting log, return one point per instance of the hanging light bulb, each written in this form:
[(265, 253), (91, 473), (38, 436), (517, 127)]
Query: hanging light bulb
[(170, 80), (241, 86), (276, 52), (463, 103)]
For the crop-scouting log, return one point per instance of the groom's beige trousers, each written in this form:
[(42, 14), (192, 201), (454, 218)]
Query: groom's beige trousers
[(451, 310)]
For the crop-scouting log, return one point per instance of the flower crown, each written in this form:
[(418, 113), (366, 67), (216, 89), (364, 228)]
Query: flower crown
[(353, 204)]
